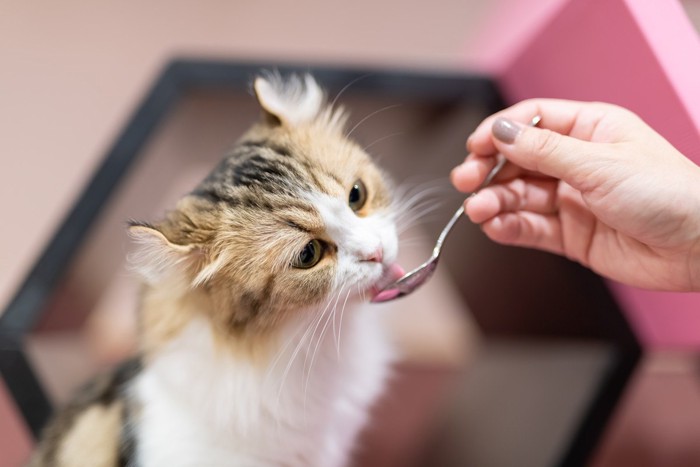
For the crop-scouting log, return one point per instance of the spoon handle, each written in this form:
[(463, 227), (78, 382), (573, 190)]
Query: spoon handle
[(489, 178), (446, 230), (455, 217)]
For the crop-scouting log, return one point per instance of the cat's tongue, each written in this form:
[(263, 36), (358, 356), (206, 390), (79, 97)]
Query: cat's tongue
[(393, 273)]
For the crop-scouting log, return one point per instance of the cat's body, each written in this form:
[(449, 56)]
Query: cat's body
[(251, 353), (234, 415)]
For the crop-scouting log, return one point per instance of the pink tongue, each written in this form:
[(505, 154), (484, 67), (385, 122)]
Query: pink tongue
[(385, 295), (393, 273)]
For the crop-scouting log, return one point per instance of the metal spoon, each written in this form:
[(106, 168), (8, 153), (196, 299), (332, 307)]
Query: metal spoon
[(419, 276)]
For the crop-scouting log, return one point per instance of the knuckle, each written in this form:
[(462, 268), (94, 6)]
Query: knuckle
[(614, 111), (530, 103), (544, 144), (605, 106)]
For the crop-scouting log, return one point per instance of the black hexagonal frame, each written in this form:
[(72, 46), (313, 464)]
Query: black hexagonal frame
[(27, 305)]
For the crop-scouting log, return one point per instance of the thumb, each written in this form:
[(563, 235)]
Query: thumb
[(545, 151)]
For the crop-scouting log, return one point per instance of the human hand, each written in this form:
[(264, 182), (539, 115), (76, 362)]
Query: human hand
[(593, 183)]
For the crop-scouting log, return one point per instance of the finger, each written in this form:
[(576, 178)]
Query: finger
[(576, 119), (467, 176), (526, 229), (550, 153), (512, 171), (534, 195)]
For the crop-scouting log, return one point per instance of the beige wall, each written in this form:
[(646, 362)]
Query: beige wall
[(72, 71)]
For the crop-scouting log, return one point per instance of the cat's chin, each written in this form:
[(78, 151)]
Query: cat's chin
[(392, 273)]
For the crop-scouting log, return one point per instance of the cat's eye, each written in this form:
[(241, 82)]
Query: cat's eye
[(310, 255), (358, 196)]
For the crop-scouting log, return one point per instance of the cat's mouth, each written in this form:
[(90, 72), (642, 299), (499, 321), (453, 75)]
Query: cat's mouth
[(392, 273)]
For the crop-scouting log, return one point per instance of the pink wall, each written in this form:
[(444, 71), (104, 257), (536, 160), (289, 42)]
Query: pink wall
[(639, 54)]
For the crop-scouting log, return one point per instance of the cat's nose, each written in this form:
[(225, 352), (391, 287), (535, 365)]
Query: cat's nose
[(377, 256)]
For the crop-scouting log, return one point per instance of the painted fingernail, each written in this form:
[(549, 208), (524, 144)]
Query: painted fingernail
[(505, 130)]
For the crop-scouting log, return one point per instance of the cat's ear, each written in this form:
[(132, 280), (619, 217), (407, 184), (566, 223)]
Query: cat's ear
[(156, 257), (289, 102)]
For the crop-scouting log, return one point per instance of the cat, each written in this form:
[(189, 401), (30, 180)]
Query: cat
[(256, 348)]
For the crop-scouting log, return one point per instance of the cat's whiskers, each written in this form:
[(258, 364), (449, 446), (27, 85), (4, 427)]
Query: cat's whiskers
[(281, 352), (383, 138), (290, 363), (347, 86), (372, 114), (410, 242), (340, 324), (426, 214), (287, 343), (415, 215), (308, 334), (296, 351), (408, 195), (413, 203), (306, 371), (329, 317), (326, 311)]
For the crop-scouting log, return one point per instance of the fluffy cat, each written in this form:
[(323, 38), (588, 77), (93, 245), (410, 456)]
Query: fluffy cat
[(250, 351)]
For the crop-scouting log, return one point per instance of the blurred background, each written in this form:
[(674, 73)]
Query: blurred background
[(73, 72)]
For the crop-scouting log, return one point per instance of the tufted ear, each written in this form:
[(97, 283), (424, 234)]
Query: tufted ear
[(289, 102), (156, 257)]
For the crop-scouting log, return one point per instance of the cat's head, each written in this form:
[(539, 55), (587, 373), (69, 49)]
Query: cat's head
[(294, 217)]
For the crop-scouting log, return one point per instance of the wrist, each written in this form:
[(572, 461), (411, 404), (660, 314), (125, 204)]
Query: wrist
[(694, 254), (694, 266)]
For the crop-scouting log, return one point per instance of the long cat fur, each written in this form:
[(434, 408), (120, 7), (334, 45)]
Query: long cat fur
[(245, 358)]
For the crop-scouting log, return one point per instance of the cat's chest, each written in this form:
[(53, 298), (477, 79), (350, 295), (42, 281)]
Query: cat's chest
[(171, 436), (304, 409)]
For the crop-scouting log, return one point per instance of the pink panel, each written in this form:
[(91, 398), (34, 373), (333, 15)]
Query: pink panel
[(506, 29), (15, 441), (644, 55)]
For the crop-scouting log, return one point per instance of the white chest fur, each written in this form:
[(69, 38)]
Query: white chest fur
[(302, 407)]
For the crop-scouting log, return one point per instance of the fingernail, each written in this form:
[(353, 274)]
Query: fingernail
[(505, 130)]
